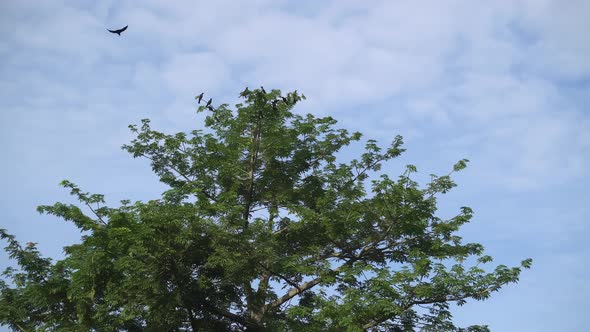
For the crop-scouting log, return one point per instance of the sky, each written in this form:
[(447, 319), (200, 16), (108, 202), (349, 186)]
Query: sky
[(505, 84)]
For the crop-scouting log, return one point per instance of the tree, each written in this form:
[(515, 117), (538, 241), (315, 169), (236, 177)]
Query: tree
[(261, 229)]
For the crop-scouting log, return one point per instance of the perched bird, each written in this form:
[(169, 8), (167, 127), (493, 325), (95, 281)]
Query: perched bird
[(209, 102), (118, 31), (245, 93), (210, 108), (274, 105), (262, 89), (199, 97), (285, 100)]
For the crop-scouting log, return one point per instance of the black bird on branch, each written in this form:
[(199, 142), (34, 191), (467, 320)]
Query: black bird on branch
[(118, 31), (245, 93), (210, 108), (199, 97), (209, 102), (285, 100), (263, 93)]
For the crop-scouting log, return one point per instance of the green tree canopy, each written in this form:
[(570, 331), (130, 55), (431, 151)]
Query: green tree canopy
[(261, 229)]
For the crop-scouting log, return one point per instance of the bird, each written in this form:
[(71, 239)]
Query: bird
[(245, 93), (209, 102), (262, 89), (285, 100), (210, 108), (118, 31), (274, 105), (199, 97)]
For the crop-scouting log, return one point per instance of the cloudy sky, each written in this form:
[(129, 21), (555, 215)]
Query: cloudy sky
[(505, 84)]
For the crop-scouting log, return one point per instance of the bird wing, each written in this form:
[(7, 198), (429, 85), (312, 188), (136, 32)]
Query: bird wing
[(118, 31)]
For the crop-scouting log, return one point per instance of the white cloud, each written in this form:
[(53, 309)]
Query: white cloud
[(447, 64)]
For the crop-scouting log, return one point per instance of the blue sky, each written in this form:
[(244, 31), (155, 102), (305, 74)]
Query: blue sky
[(504, 84)]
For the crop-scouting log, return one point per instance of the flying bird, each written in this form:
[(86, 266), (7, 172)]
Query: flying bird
[(118, 31), (199, 97), (209, 102)]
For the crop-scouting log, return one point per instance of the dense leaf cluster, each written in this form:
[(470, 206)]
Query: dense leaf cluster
[(262, 229)]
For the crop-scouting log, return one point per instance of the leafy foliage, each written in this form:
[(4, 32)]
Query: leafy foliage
[(261, 229)]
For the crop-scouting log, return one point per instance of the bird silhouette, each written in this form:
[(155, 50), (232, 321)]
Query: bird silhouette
[(245, 93), (262, 89), (199, 97), (210, 108), (118, 31), (209, 102), (285, 100)]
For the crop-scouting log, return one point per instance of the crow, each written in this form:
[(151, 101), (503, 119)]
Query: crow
[(209, 102), (199, 97), (285, 100), (262, 89), (245, 93), (210, 108), (118, 31)]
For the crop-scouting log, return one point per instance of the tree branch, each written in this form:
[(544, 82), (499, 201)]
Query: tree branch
[(276, 274), (305, 286), (234, 317), (425, 301), (294, 292), (188, 180), (253, 160), (96, 214)]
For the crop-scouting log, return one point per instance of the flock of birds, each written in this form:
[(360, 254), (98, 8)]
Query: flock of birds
[(208, 105), (199, 98), (244, 93)]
